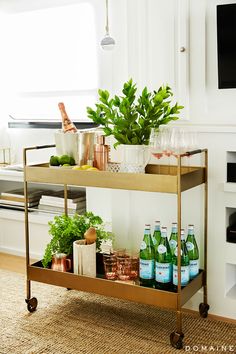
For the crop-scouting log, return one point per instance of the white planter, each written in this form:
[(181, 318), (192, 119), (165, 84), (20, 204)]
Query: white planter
[(134, 158)]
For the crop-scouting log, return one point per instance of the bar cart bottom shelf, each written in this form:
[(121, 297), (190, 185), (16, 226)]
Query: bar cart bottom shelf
[(125, 291)]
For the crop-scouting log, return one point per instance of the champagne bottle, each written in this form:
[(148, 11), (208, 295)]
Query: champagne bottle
[(163, 263), (147, 259), (173, 237), (67, 125), (184, 263), (193, 252), (156, 237)]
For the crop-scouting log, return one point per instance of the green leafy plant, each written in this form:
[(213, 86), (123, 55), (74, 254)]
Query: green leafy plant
[(129, 118), (67, 229)]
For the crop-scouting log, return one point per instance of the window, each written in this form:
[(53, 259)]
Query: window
[(51, 55)]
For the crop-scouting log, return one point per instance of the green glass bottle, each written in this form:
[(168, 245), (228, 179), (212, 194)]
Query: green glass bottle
[(173, 237), (147, 259), (163, 264), (193, 252), (184, 263), (156, 237)]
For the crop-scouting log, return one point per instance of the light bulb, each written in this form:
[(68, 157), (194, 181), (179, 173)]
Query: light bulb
[(107, 43)]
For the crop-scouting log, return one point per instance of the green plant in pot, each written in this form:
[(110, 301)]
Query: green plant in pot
[(129, 118), (67, 229)]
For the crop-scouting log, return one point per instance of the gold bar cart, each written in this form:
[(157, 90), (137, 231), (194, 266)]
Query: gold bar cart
[(158, 178)]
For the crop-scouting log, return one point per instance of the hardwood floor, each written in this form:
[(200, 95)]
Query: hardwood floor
[(12, 263)]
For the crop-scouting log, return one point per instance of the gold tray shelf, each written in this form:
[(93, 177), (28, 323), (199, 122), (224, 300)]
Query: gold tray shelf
[(158, 178), (114, 289)]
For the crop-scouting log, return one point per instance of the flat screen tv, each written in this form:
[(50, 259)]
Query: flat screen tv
[(226, 43)]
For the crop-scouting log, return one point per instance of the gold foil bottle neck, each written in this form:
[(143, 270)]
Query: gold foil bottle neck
[(67, 125)]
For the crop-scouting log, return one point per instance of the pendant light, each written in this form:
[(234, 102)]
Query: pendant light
[(107, 43)]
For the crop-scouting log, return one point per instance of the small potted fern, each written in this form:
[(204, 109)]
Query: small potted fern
[(67, 229), (129, 118)]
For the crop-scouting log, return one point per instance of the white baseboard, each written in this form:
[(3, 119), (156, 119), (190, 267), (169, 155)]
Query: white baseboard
[(18, 252)]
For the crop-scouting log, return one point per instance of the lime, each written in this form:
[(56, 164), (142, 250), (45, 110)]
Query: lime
[(64, 159), (54, 161)]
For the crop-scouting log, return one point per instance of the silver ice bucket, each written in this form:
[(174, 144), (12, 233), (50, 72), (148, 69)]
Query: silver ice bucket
[(79, 145)]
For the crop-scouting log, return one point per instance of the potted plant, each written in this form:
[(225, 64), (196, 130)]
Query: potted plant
[(129, 118), (67, 229)]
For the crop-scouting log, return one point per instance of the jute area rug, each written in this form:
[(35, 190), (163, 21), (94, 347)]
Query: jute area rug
[(73, 322)]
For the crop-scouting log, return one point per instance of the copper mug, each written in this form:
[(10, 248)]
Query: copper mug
[(60, 263)]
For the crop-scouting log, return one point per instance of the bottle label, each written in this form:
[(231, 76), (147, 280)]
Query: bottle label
[(161, 249), (143, 245), (190, 246), (184, 275), (163, 272), (176, 252), (173, 244), (194, 268), (146, 268)]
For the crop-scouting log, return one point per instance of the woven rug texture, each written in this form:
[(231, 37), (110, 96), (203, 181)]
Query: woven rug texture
[(74, 322)]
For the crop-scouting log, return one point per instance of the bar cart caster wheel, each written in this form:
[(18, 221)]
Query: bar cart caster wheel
[(203, 309), (176, 340), (31, 304)]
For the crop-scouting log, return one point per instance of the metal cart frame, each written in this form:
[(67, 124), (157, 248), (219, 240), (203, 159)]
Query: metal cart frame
[(176, 180)]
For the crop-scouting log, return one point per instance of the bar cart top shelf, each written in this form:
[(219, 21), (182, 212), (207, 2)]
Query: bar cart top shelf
[(158, 178)]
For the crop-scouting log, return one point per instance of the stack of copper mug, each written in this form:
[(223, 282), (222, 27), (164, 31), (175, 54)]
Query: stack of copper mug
[(121, 265)]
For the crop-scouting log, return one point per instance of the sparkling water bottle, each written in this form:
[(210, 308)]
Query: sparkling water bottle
[(147, 259), (184, 263), (173, 237), (156, 237), (193, 252), (163, 264)]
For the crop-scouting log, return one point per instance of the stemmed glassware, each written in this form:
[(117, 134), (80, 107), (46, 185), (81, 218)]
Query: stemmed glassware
[(155, 143), (171, 141)]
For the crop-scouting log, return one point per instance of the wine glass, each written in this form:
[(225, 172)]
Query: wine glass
[(191, 144), (155, 144), (166, 133), (178, 141)]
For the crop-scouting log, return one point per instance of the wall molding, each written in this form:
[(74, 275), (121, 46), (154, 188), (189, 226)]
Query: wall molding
[(208, 127), (182, 54)]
